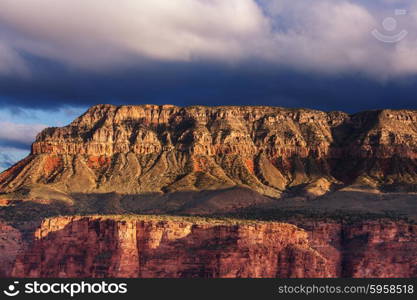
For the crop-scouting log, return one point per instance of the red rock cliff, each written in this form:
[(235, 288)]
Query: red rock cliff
[(177, 247)]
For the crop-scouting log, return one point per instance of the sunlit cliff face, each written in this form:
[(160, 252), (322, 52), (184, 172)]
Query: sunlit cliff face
[(149, 148)]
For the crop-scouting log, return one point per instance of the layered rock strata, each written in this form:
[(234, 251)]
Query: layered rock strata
[(149, 148), (153, 247)]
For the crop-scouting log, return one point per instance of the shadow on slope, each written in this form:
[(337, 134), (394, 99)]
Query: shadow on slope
[(351, 203), (184, 202)]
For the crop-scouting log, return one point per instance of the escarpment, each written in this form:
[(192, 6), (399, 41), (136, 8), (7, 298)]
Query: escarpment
[(154, 247), (162, 149)]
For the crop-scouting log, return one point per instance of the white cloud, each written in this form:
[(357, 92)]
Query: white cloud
[(317, 35), (331, 35), (102, 31), (14, 133), (335, 36)]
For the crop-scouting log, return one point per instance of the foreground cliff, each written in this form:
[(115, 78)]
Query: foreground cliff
[(189, 247)]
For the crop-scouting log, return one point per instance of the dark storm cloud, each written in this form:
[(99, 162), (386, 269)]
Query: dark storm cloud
[(208, 84)]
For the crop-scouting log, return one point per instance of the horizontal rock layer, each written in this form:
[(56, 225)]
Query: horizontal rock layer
[(153, 247)]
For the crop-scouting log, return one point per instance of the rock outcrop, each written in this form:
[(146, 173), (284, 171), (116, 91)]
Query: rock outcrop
[(162, 149), (153, 247)]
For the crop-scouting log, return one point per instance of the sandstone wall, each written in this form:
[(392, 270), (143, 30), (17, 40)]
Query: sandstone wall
[(146, 247)]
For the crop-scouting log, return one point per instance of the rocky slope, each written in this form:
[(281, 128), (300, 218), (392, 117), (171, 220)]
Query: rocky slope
[(160, 149), (183, 247)]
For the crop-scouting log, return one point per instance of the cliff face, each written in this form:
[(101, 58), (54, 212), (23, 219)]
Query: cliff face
[(365, 249), (11, 245), (164, 247), (105, 247), (148, 148)]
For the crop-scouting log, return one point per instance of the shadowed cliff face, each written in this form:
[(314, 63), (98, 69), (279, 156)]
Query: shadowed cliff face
[(165, 248), (162, 149), (153, 247)]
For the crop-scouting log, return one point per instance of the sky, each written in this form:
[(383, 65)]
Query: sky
[(59, 57)]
